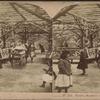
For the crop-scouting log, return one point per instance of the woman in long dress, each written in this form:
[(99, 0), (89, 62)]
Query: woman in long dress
[(83, 64), (98, 59), (63, 80), (0, 61)]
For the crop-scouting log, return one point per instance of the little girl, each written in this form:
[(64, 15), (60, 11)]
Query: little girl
[(49, 75), (64, 77)]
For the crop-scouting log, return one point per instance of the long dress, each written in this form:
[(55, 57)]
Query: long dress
[(98, 60), (64, 78), (83, 64), (0, 61)]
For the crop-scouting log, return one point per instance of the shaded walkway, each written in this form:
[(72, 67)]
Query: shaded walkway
[(29, 78)]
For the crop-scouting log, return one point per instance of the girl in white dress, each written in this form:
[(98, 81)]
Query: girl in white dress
[(64, 77)]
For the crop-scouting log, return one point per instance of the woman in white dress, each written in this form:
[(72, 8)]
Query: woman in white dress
[(64, 78)]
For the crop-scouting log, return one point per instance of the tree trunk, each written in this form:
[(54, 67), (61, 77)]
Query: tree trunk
[(4, 42), (82, 42), (91, 41), (50, 36)]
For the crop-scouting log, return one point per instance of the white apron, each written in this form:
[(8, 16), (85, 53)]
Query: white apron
[(63, 80), (47, 78)]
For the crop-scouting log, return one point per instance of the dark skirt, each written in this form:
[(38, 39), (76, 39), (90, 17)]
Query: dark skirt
[(98, 62), (83, 64)]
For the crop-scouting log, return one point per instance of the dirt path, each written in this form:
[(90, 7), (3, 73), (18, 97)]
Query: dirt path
[(29, 79)]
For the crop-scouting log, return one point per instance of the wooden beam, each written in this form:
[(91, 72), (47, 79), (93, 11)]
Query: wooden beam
[(32, 12), (26, 19), (40, 8), (62, 22), (13, 6), (38, 26), (63, 11)]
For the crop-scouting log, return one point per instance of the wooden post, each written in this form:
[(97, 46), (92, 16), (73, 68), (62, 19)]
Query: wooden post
[(91, 41), (50, 36), (82, 41), (25, 33), (50, 49), (3, 37)]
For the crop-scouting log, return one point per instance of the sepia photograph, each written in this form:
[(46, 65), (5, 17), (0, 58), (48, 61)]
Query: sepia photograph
[(50, 47)]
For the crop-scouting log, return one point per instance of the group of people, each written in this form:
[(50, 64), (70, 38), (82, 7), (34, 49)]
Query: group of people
[(63, 80), (19, 48)]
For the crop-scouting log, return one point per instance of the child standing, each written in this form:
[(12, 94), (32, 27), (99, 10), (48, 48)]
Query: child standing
[(64, 77), (49, 75)]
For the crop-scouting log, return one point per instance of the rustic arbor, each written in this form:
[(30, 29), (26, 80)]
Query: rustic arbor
[(64, 26), (84, 31), (40, 23)]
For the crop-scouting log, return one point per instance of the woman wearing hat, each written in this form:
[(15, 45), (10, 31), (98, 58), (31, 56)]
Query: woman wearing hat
[(63, 79)]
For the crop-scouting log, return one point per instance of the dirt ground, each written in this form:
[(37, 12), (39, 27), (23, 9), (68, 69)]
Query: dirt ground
[(29, 78)]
